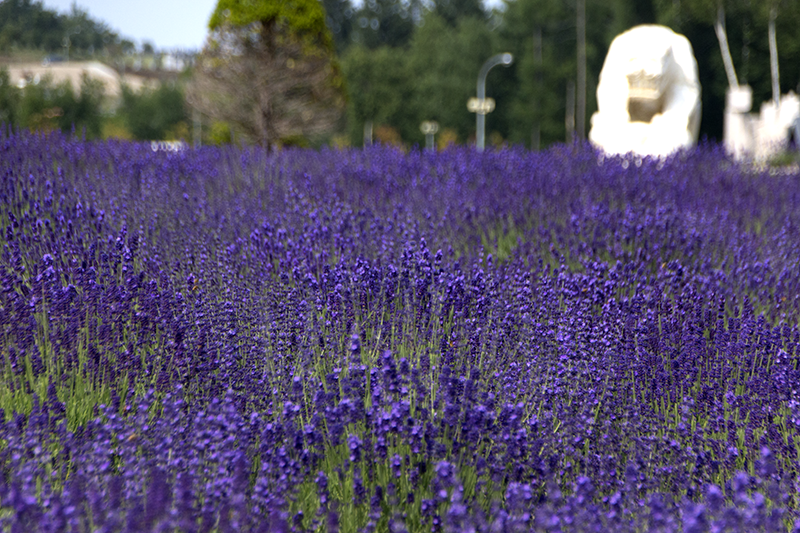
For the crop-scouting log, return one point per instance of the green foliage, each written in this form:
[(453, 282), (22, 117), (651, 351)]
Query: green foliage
[(536, 110), (442, 57), (785, 159), (157, 114), (9, 99), (219, 133), (384, 23), (28, 25), (294, 141), (404, 62), (378, 88), (301, 18), (539, 85), (153, 113), (114, 127), (402, 87), (453, 11), (269, 71), (86, 113), (445, 80), (339, 15), (747, 35), (44, 106)]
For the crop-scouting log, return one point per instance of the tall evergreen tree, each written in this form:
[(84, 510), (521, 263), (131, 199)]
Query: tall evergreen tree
[(542, 36), (339, 15), (9, 99), (150, 114), (379, 89), (384, 23), (451, 11), (444, 61), (27, 24)]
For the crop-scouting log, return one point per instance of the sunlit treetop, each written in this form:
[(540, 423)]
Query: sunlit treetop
[(304, 18)]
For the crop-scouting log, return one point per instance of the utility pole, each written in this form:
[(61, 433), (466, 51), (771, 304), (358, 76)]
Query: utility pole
[(773, 56), (580, 120), (569, 116), (536, 129), (368, 133)]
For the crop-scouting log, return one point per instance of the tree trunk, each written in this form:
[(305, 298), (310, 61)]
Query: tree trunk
[(368, 133), (569, 116), (536, 129), (773, 56), (197, 131), (580, 119), (263, 120), (722, 37)]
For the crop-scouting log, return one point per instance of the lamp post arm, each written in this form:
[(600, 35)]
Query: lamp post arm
[(499, 59)]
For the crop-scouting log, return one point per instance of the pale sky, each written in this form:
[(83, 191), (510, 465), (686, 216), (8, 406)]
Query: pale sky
[(167, 24)]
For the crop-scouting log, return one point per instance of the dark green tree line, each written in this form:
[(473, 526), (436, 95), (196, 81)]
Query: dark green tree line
[(26, 24), (154, 114), (46, 106), (383, 23), (404, 61), (439, 61), (430, 77)]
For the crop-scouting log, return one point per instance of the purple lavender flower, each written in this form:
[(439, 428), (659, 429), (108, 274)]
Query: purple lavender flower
[(192, 340)]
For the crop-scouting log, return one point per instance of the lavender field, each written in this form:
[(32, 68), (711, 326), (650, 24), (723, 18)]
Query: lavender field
[(225, 340)]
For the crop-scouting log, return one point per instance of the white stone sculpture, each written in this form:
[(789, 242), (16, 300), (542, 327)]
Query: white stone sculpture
[(758, 136), (648, 95)]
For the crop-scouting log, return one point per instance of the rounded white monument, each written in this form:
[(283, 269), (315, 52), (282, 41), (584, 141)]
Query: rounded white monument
[(648, 95)]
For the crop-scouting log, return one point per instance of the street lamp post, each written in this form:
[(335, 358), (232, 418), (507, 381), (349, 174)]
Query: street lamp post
[(481, 109), (429, 128)]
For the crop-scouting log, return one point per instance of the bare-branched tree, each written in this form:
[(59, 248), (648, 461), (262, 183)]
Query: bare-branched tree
[(269, 71)]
